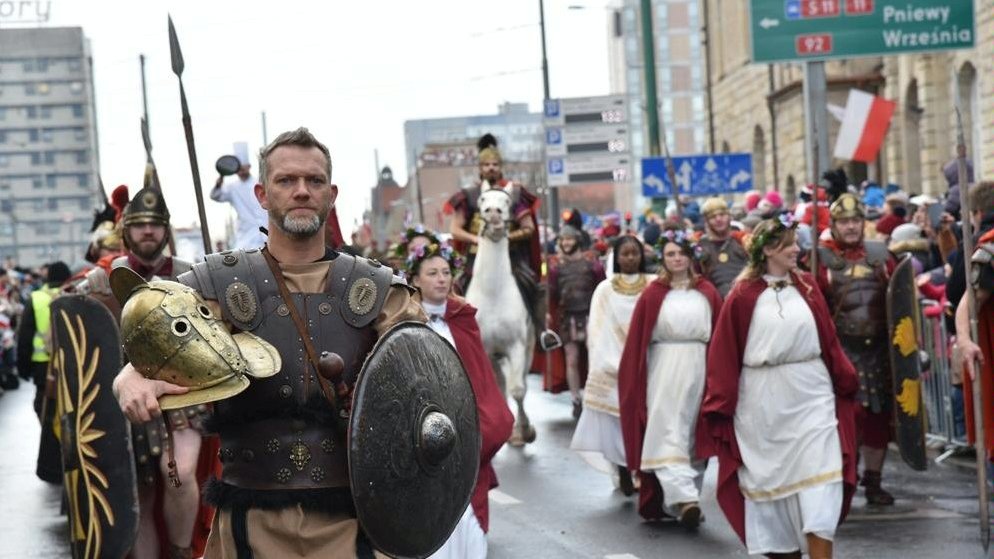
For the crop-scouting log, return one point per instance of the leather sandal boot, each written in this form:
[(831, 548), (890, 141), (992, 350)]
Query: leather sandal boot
[(875, 495)]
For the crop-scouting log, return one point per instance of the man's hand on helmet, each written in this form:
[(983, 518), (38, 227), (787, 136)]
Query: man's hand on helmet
[(139, 396)]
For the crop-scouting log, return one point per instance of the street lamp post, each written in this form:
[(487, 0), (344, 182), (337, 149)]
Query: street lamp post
[(553, 209)]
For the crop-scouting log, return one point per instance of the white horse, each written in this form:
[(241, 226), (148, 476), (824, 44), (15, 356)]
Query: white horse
[(507, 330)]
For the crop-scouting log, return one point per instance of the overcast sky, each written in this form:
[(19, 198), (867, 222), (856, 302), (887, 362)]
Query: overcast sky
[(352, 72)]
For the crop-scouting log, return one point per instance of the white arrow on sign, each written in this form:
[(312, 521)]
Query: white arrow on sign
[(738, 178), (654, 182), (767, 23), (683, 180)]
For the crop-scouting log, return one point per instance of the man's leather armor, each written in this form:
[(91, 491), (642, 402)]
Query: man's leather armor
[(576, 285), (277, 434), (858, 301), (723, 263)]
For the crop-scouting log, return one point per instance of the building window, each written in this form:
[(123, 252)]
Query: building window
[(53, 203), (80, 134), (75, 64), (47, 135), (84, 204), (50, 181), (29, 65), (77, 110), (6, 206), (39, 206), (31, 112), (76, 87), (82, 157), (29, 89), (36, 182), (3, 113), (3, 137), (36, 158), (49, 158), (4, 160), (83, 180)]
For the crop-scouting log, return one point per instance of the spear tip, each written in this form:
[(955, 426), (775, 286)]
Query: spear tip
[(175, 54)]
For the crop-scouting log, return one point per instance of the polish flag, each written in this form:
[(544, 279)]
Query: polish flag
[(863, 126)]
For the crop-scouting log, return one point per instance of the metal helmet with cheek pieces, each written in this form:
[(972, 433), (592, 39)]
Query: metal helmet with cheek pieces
[(170, 334)]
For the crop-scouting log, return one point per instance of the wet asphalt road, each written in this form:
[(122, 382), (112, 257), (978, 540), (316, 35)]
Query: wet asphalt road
[(551, 504)]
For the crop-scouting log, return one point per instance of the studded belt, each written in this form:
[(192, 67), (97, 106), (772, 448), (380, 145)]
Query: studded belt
[(283, 453)]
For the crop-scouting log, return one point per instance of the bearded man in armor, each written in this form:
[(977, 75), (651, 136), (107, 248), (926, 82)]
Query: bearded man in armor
[(167, 448), (724, 256), (284, 469), (573, 277), (854, 274), (467, 226)]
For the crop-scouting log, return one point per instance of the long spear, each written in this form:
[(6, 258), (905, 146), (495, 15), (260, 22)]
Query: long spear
[(177, 60), (981, 444)]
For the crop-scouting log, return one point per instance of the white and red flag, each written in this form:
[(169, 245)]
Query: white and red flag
[(864, 126)]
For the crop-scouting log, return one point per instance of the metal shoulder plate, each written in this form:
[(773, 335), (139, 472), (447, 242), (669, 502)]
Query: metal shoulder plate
[(181, 266), (876, 253), (982, 256), (366, 285), (232, 279), (831, 260), (118, 262)]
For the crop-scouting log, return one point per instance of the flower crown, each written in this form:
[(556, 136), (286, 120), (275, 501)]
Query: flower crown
[(412, 232), (780, 224), (683, 239), (431, 250)]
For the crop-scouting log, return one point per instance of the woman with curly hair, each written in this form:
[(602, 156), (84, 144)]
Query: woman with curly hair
[(661, 381), (779, 405), (430, 268)]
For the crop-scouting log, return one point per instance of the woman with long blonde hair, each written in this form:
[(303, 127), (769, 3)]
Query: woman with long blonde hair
[(779, 406)]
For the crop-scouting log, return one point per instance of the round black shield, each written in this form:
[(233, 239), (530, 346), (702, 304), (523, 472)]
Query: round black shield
[(414, 442)]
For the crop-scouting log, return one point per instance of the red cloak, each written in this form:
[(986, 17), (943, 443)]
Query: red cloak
[(496, 419), (715, 429), (633, 383)]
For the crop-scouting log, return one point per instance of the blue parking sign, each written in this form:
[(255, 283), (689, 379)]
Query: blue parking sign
[(551, 108), (554, 136), (556, 167)]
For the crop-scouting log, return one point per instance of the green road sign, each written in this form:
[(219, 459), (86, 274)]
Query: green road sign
[(798, 30)]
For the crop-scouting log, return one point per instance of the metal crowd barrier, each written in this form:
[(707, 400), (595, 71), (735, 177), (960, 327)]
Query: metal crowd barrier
[(937, 386)]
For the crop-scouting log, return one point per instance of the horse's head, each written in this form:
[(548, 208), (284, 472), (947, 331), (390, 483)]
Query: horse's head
[(495, 209)]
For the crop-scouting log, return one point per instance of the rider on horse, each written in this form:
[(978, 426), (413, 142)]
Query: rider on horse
[(467, 225)]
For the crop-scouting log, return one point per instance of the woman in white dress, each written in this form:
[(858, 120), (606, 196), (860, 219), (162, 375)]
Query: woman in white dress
[(661, 382), (431, 267), (779, 405), (598, 432)]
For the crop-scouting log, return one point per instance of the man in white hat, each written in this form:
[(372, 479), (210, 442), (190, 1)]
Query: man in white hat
[(240, 193)]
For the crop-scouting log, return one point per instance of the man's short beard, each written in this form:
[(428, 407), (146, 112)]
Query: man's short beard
[(300, 228)]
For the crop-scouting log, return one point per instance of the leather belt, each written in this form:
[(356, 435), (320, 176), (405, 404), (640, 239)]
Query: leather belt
[(283, 453)]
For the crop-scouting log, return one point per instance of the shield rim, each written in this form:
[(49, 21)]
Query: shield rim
[(919, 463)]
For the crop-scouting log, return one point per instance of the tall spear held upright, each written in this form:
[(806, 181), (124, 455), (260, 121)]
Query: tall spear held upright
[(970, 301), (176, 55)]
